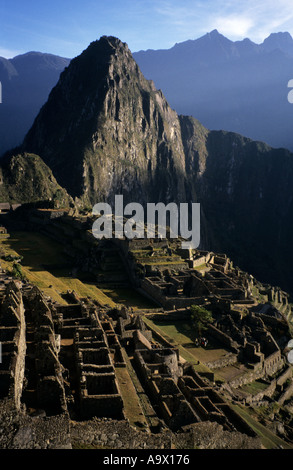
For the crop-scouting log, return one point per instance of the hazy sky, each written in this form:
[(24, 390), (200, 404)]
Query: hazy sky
[(66, 27)]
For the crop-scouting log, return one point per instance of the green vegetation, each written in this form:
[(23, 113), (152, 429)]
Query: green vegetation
[(17, 271), (11, 257), (132, 408), (202, 267), (255, 387), (265, 411), (128, 297), (201, 317), (40, 255), (26, 179), (268, 438)]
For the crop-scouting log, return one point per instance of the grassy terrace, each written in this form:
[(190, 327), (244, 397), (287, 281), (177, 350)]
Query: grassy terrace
[(42, 258), (255, 387), (132, 406), (138, 409), (267, 437), (46, 265), (156, 256), (128, 297)]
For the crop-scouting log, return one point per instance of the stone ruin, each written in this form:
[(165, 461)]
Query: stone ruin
[(178, 394), (249, 343), (57, 359), (99, 390), (13, 341), (181, 396), (179, 288), (128, 325), (163, 271), (62, 359), (45, 383)]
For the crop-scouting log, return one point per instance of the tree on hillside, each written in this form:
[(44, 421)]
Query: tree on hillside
[(17, 271), (200, 317)]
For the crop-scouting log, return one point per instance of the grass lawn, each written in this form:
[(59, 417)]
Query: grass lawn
[(132, 407), (254, 387), (183, 333), (231, 372), (128, 297), (202, 267), (268, 438), (41, 255), (33, 246)]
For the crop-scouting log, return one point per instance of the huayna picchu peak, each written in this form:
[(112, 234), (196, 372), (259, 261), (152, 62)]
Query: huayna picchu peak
[(105, 129)]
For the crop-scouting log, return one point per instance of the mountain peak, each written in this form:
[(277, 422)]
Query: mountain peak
[(100, 53), (281, 40), (108, 44), (283, 36), (26, 63), (103, 115), (113, 41), (214, 33)]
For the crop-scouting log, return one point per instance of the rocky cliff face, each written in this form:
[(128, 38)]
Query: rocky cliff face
[(106, 130), (245, 191), (24, 178)]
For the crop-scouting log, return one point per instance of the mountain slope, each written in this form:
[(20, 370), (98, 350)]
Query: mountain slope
[(237, 86), (245, 190), (24, 178)]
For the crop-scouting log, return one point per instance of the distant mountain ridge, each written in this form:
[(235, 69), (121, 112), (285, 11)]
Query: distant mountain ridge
[(237, 86), (282, 41), (27, 80)]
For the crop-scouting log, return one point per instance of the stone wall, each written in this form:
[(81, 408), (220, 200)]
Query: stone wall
[(273, 363), (13, 339), (99, 393), (50, 390), (209, 405), (169, 303), (286, 395), (284, 377), (223, 338), (227, 360), (58, 432)]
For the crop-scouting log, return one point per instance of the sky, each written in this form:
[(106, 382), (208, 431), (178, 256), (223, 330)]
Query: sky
[(67, 27)]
